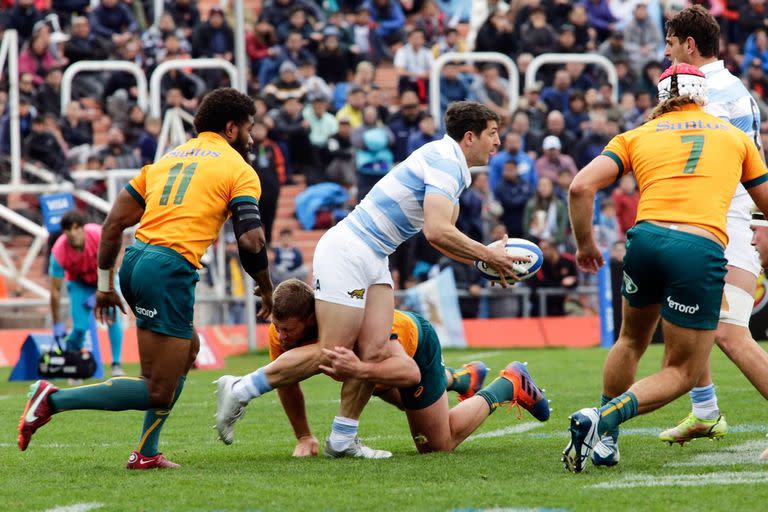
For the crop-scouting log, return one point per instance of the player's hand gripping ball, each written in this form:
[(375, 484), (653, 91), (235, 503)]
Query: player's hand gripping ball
[(516, 247)]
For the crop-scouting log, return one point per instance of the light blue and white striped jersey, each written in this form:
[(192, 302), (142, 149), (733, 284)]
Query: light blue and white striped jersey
[(729, 99), (393, 211)]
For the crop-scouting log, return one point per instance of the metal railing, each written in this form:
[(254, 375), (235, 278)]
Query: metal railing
[(103, 65), (9, 51), (7, 266), (564, 58), (500, 58), (155, 106)]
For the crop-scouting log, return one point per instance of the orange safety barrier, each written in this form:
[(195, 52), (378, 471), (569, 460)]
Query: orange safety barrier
[(227, 340)]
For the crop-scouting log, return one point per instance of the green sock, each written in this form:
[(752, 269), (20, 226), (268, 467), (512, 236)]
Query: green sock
[(115, 394), (461, 380), (154, 419), (497, 392), (614, 433), (616, 411)]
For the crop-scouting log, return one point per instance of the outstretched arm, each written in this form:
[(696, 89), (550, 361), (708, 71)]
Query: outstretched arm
[(398, 370), (292, 400), (126, 212)]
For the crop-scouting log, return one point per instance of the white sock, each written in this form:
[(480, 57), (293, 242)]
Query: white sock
[(343, 432), (707, 410), (251, 386)]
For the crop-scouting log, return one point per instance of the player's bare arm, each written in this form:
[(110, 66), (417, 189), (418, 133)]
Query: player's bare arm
[(292, 400), (126, 212), (442, 233), (55, 288), (598, 174), (397, 370)]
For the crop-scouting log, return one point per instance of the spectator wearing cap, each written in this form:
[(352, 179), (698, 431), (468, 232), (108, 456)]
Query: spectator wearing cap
[(453, 86), (405, 123), (552, 161), (333, 61), (600, 18), (427, 133), (113, 21), (23, 16), (512, 150), (614, 48), (413, 62), (512, 193), (643, 36), (286, 86), (267, 159), (389, 20), (566, 40), (497, 34), (26, 113), (538, 36), (556, 96), (353, 108)]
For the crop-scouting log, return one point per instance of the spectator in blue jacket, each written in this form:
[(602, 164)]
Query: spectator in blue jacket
[(557, 95), (114, 21), (389, 20), (287, 261), (405, 123), (526, 167), (600, 18), (513, 193), (453, 87), (427, 133), (756, 47)]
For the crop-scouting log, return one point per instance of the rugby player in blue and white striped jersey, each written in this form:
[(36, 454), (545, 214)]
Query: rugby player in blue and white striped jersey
[(354, 296)]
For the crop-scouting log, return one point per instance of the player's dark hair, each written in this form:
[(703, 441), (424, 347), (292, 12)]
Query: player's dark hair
[(221, 106), (697, 23), (293, 298), (72, 219), (467, 116)]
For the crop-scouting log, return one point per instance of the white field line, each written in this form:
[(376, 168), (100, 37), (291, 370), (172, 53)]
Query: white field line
[(744, 453), (678, 480), (748, 428), (77, 507)]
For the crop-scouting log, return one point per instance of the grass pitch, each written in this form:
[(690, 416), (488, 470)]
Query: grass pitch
[(76, 462)]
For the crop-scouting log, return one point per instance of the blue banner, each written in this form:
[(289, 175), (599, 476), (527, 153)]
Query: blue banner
[(53, 207), (605, 302)]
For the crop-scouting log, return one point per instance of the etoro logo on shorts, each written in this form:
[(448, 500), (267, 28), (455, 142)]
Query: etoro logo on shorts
[(146, 312), (682, 308)]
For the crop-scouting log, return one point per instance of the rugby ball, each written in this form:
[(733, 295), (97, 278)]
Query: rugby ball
[(517, 247)]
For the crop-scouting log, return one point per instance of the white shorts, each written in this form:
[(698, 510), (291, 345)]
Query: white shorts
[(344, 267), (740, 252)]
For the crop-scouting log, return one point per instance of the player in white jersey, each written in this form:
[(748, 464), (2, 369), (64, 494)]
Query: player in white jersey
[(354, 297), (693, 38)]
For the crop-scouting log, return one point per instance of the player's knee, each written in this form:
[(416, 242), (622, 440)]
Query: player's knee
[(161, 398)]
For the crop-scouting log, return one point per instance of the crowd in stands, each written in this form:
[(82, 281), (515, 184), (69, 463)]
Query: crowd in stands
[(323, 116)]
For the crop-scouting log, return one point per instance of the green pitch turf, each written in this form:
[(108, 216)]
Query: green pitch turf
[(76, 462)]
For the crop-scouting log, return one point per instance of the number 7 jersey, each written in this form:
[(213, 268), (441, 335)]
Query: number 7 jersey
[(687, 164), (187, 194)]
